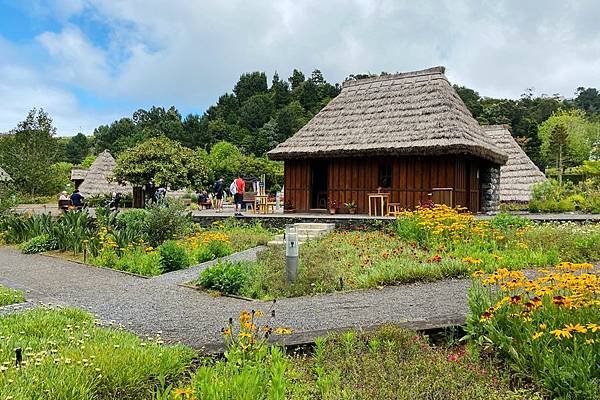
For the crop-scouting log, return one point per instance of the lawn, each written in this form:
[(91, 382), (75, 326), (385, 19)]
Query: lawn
[(425, 245), (10, 296), (66, 356), (147, 242)]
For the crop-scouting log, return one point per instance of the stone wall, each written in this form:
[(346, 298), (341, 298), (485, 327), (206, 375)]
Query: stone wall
[(490, 189)]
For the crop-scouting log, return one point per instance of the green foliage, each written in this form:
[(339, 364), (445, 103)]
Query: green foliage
[(21, 228), (225, 276), (39, 244), (10, 296), (571, 129), (163, 162), (68, 357), (8, 198), (550, 196), (71, 229), (87, 161), (77, 148), (60, 178), (172, 257), (164, 222), (507, 222), (544, 329), (29, 151)]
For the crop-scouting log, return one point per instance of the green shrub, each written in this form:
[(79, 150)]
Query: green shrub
[(71, 229), (172, 257), (219, 248), (165, 222), (202, 254), (133, 219), (226, 277), (39, 244), (505, 222), (409, 229)]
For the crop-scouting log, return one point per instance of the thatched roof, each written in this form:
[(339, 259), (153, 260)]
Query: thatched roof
[(520, 173), (99, 177), (413, 113), (78, 174), (4, 176)]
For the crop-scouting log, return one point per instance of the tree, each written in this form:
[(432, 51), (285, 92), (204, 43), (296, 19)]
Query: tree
[(256, 111), (224, 159), (77, 148), (280, 92), (557, 145), (581, 135), (249, 85), (296, 79), (29, 151), (163, 162), (588, 100), (289, 120)]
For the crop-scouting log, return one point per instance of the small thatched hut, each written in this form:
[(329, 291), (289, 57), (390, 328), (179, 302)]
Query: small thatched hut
[(78, 176), (519, 174), (98, 180), (4, 176), (409, 134)]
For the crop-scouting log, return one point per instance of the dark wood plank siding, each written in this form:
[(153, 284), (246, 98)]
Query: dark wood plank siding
[(413, 178)]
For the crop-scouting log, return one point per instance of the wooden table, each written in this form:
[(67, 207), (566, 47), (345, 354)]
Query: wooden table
[(262, 205), (383, 198)]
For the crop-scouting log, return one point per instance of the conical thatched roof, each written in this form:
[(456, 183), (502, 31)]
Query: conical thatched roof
[(4, 176), (520, 173), (98, 178), (414, 113)]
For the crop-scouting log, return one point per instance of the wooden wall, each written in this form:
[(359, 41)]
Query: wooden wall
[(412, 179)]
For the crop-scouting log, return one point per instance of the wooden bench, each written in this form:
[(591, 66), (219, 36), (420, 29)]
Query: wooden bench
[(393, 209), (64, 205)]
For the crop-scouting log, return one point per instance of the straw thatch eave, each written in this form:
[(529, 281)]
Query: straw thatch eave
[(99, 178), (519, 174), (4, 176), (78, 174), (415, 113)]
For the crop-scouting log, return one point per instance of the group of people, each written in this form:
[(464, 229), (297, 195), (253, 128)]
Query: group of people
[(77, 201), (236, 188)]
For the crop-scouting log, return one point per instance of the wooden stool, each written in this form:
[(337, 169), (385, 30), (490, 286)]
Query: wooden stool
[(393, 209)]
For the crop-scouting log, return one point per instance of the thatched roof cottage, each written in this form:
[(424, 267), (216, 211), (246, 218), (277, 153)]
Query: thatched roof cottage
[(409, 134), (4, 176), (98, 179), (519, 174)]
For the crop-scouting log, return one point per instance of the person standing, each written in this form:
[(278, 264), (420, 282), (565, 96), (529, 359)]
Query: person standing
[(238, 197), (219, 190)]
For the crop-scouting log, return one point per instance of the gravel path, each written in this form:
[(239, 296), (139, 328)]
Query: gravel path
[(147, 306)]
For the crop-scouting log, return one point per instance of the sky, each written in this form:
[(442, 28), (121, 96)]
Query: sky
[(90, 62)]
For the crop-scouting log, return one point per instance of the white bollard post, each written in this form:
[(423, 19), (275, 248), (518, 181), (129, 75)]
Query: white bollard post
[(278, 201), (291, 253)]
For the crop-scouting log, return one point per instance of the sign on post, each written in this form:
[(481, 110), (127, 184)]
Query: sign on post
[(291, 253)]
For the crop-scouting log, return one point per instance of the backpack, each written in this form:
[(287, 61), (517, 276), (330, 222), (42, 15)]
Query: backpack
[(233, 188), (218, 187)]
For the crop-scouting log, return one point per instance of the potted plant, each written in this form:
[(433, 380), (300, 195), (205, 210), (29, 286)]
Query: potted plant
[(332, 206), (288, 206), (351, 206)]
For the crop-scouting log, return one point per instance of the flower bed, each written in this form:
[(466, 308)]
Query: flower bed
[(547, 328), (427, 244), (10, 296), (390, 363), (66, 355), (145, 242)]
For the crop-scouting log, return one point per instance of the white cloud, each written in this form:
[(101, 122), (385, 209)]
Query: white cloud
[(188, 53)]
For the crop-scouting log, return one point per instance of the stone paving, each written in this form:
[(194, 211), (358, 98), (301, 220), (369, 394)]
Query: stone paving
[(183, 314)]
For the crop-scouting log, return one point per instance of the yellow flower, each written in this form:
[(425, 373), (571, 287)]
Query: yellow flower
[(575, 328), (593, 327), (590, 341), (560, 333), (180, 392), (283, 331), (537, 335), (543, 327)]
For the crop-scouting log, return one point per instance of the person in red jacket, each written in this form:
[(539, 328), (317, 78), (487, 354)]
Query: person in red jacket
[(238, 197)]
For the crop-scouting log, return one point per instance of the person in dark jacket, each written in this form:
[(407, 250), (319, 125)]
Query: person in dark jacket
[(77, 199)]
